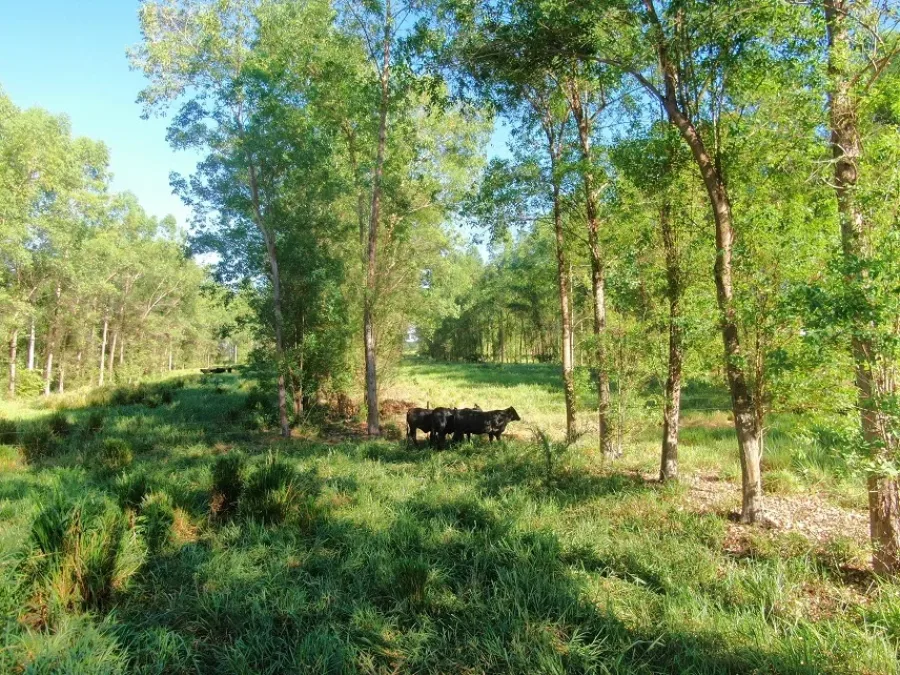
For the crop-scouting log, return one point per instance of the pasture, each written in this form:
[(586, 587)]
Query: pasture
[(167, 529)]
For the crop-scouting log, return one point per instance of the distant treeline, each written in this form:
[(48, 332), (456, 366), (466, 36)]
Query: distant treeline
[(93, 290)]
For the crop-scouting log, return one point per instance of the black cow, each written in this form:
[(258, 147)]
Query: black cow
[(442, 424), (418, 418), (493, 422), (463, 411)]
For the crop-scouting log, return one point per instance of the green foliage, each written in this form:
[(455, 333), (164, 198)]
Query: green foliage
[(363, 540), (38, 441), (29, 383), (60, 425), (132, 487)]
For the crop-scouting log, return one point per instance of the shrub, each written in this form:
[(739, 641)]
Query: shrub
[(8, 432), (29, 383), (155, 521), (260, 402), (228, 482), (115, 454), (101, 397)]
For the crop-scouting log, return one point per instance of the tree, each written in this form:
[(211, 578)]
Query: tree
[(212, 43), (862, 45)]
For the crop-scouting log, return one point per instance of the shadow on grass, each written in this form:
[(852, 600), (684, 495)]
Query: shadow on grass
[(566, 486), (445, 586)]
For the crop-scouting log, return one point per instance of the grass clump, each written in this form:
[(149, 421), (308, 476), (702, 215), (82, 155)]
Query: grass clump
[(95, 421), (156, 520), (276, 493), (38, 441), (131, 488), (228, 483), (82, 553), (115, 454)]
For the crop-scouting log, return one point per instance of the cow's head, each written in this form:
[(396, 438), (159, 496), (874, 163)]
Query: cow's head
[(512, 414)]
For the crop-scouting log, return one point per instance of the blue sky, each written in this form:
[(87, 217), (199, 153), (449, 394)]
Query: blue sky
[(68, 56)]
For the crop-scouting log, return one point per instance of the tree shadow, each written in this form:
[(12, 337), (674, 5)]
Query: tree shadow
[(446, 586)]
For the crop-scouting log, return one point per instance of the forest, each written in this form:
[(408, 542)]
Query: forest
[(665, 230)]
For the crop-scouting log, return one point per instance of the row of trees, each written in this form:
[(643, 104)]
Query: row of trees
[(670, 161), (624, 109), (92, 289)]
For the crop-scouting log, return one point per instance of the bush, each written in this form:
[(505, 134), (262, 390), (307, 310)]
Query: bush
[(258, 401), (115, 454), (155, 521), (29, 383), (153, 400), (228, 482)]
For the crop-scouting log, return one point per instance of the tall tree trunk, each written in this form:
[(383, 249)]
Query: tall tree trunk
[(103, 350), (742, 403), (31, 340), (608, 444), (111, 362), (564, 311), (51, 343), (279, 337), (48, 370), (272, 255), (669, 461), (13, 347), (873, 380), (61, 386), (372, 422)]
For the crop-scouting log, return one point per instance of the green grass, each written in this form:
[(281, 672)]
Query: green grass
[(219, 548)]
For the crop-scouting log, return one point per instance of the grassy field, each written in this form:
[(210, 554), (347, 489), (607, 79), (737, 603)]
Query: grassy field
[(163, 529)]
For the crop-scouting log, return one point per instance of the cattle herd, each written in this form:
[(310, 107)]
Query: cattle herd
[(438, 423)]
